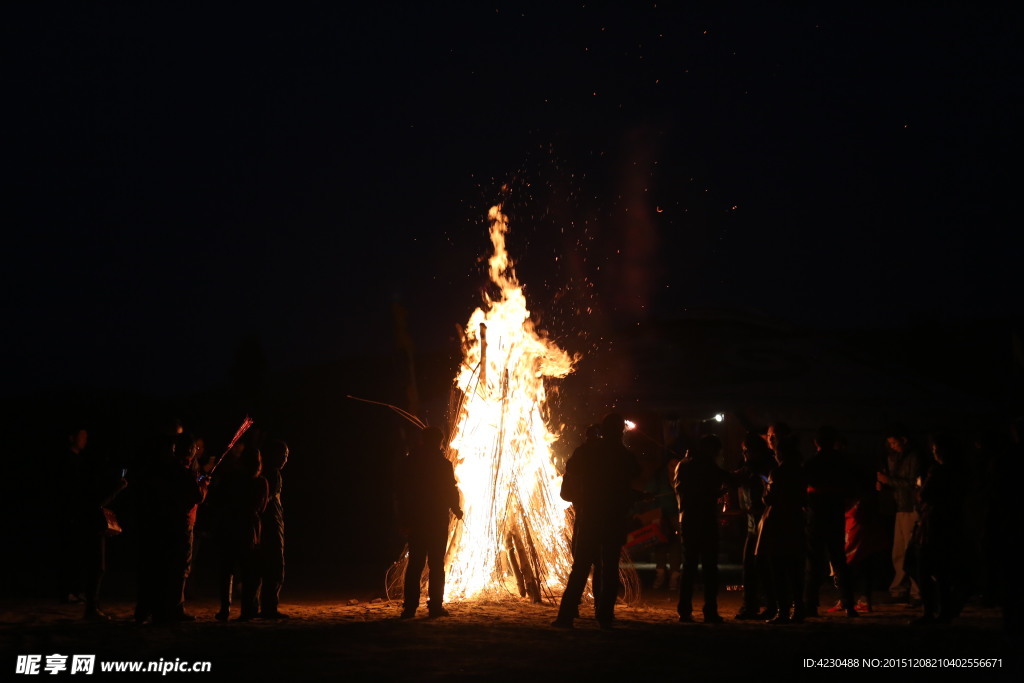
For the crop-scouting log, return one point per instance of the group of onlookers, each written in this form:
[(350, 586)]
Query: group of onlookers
[(932, 525), (175, 488)]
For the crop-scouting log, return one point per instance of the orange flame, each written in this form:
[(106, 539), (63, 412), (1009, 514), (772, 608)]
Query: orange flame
[(514, 535)]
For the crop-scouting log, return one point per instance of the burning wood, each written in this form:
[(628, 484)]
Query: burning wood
[(514, 538)]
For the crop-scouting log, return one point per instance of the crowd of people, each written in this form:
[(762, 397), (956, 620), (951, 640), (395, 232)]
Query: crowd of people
[(931, 524), (181, 498), (932, 527)]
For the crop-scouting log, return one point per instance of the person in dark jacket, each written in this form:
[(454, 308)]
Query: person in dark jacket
[(751, 480), (699, 483), (599, 482), (237, 500), (83, 484), (426, 493), (830, 484), (938, 540), (168, 495), (781, 537)]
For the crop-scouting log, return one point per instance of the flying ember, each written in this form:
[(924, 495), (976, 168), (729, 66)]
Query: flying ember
[(514, 537)]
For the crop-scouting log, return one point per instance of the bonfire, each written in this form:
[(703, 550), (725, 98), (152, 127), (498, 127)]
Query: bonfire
[(515, 537)]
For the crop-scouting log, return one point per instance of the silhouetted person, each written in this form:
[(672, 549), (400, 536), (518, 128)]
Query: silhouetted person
[(148, 476), (699, 483), (598, 481), (203, 545), (192, 491), (938, 539), (900, 478), (592, 438), (426, 492), (213, 468), (750, 480), (83, 485), (169, 493), (781, 538), (275, 456), (66, 473), (237, 501), (830, 484), (984, 510)]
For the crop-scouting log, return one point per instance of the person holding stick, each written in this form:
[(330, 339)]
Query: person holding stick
[(426, 493)]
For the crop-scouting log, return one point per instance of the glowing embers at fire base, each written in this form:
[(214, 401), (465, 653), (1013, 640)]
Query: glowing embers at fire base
[(514, 537)]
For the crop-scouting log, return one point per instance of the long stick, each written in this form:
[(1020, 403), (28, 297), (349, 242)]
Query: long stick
[(407, 415), (246, 423)]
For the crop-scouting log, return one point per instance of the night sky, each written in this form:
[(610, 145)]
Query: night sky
[(180, 178)]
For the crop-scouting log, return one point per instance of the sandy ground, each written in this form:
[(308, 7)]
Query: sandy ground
[(358, 637)]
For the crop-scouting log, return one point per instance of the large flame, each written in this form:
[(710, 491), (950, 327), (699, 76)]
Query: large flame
[(514, 536)]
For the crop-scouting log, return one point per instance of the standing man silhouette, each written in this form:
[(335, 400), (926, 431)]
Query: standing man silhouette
[(426, 493), (275, 457), (598, 482), (699, 482)]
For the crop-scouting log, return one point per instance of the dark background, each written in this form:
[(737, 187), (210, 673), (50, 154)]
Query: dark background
[(215, 210)]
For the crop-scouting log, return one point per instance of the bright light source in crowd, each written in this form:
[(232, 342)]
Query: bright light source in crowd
[(630, 424), (719, 417)]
